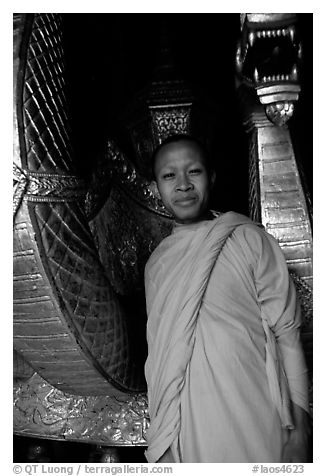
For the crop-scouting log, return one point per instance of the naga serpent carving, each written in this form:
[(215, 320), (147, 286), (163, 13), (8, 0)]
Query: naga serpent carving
[(76, 329), (268, 63), (80, 250), (268, 59), (69, 324)]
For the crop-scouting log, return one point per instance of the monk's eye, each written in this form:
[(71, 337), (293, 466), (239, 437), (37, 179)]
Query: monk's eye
[(195, 171), (168, 175)]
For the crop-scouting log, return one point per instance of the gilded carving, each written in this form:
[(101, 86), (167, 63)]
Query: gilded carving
[(133, 183), (69, 324), (254, 189), (170, 120), (127, 221), (44, 411), (280, 112), (125, 235), (46, 187), (266, 38), (276, 193)]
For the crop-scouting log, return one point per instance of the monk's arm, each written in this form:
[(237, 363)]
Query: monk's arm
[(279, 303)]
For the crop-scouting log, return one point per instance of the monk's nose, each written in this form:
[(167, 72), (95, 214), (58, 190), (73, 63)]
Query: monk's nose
[(184, 185)]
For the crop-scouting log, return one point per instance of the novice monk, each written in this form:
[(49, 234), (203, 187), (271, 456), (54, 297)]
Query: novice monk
[(221, 311)]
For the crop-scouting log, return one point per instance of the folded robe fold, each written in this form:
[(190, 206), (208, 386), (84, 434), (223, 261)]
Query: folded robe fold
[(176, 279)]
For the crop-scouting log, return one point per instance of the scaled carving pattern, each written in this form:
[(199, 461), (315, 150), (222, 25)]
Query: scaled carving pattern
[(42, 410), (129, 225), (48, 342), (305, 296), (69, 324), (254, 191), (284, 208), (281, 206), (81, 330), (22, 370), (44, 102), (117, 168), (276, 194), (90, 302), (126, 234), (134, 184)]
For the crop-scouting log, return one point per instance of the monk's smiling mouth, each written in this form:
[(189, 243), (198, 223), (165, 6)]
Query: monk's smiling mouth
[(185, 201)]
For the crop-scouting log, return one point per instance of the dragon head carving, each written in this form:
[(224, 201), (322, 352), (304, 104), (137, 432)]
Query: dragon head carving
[(268, 59)]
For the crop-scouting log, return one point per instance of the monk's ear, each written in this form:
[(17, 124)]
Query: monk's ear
[(154, 189), (212, 178)]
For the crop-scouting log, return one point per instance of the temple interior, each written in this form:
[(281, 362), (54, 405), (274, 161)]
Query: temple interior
[(120, 72)]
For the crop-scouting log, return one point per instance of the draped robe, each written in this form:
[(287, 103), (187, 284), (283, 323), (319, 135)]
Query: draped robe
[(223, 330)]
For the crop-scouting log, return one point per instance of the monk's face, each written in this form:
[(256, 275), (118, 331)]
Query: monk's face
[(183, 180)]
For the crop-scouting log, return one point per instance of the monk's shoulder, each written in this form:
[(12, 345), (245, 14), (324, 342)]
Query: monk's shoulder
[(157, 255), (254, 232), (255, 241), (251, 238)]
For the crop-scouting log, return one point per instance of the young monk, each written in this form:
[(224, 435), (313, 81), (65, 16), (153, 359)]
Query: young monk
[(227, 380)]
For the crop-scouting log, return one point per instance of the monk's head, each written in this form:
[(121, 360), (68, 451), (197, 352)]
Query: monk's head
[(183, 178)]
